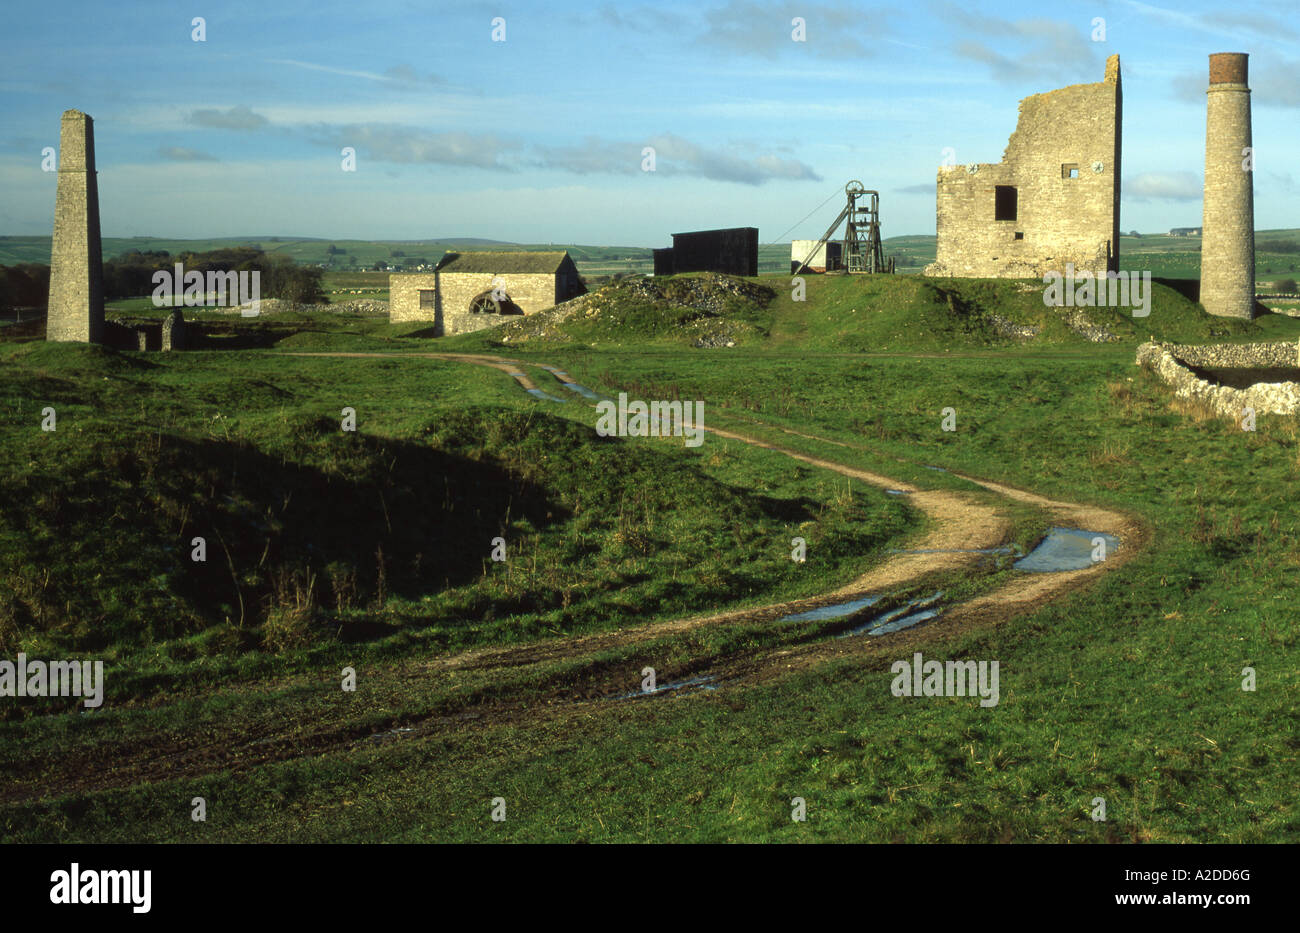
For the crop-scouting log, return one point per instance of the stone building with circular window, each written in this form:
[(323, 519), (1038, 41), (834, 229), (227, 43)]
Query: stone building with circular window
[(469, 291)]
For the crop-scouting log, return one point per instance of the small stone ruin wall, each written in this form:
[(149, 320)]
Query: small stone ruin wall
[(1171, 363), (169, 334)]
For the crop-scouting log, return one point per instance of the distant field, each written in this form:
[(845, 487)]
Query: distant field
[(349, 253), (1180, 257), (1163, 256)]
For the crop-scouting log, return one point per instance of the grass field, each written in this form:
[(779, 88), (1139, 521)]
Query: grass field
[(479, 679)]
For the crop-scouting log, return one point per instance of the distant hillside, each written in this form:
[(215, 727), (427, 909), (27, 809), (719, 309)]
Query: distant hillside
[(1277, 252), (334, 254)]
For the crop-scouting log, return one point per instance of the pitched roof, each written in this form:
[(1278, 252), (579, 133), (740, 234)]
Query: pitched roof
[(503, 262)]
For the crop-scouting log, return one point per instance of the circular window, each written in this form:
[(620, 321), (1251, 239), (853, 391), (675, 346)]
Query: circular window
[(485, 304)]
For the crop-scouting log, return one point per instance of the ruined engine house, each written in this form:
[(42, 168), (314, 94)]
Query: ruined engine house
[(1052, 200)]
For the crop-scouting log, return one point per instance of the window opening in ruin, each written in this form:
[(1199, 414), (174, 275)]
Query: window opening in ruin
[(1020, 234), (1070, 170), (1004, 202)]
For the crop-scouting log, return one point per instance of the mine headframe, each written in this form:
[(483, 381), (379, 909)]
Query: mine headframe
[(861, 251)]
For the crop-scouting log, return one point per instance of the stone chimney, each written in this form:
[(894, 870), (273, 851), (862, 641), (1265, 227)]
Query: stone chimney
[(76, 311), (1228, 230)]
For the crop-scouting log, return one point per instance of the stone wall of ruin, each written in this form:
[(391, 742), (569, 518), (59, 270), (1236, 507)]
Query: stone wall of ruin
[(1275, 354), (1171, 363), (456, 290), (1059, 219)]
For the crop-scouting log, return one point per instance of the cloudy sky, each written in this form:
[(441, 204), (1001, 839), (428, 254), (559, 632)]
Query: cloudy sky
[(540, 137)]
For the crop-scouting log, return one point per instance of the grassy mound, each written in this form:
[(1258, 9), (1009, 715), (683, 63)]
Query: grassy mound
[(917, 313), (706, 310), (315, 535), (884, 313), (895, 313)]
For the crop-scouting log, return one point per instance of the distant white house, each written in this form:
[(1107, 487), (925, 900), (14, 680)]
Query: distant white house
[(827, 257)]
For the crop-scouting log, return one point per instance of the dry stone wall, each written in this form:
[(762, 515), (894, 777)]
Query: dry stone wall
[(1171, 363)]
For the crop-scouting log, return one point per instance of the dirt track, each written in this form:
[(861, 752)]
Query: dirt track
[(959, 523)]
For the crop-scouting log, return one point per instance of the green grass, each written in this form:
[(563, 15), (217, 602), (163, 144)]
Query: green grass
[(898, 313), (1129, 690), (389, 529)]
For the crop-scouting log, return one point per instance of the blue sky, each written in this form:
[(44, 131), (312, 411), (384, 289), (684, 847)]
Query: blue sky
[(539, 138)]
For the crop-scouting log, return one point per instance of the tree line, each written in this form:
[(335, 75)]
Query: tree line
[(26, 285), (130, 275)]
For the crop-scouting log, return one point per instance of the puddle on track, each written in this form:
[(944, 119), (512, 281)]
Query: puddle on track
[(895, 620), (914, 613), (1061, 549), (581, 390), (1064, 549), (571, 386), (698, 682), (538, 393), (837, 611), (906, 621)]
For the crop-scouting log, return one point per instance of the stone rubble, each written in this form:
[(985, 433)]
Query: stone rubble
[(711, 295)]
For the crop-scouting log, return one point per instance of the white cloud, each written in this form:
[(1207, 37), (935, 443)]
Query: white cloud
[(184, 154), (1163, 186), (236, 118), (398, 74)]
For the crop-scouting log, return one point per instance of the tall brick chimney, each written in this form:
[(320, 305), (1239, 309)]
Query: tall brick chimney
[(1228, 224)]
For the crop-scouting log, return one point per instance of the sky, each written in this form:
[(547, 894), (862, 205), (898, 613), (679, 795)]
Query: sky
[(529, 122)]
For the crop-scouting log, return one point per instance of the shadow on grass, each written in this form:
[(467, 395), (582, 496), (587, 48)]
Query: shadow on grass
[(336, 521)]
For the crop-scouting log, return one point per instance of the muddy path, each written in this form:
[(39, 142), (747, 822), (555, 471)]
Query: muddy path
[(959, 525)]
